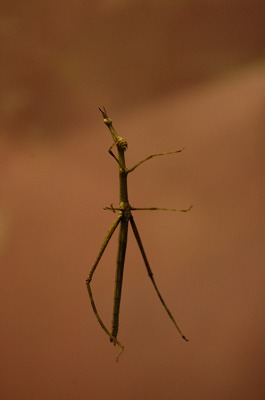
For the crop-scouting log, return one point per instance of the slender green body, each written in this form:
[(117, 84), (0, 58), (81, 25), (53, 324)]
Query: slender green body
[(125, 213), (119, 275), (123, 219)]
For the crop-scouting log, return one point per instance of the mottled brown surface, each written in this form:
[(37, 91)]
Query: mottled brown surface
[(170, 75)]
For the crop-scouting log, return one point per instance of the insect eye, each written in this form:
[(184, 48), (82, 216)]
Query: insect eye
[(107, 121)]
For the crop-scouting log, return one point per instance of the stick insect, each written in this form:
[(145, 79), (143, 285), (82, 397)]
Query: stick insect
[(123, 219)]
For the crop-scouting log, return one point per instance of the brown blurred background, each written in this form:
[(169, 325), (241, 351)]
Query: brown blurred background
[(171, 74)]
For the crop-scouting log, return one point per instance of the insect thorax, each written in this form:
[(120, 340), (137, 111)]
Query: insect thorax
[(121, 143)]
